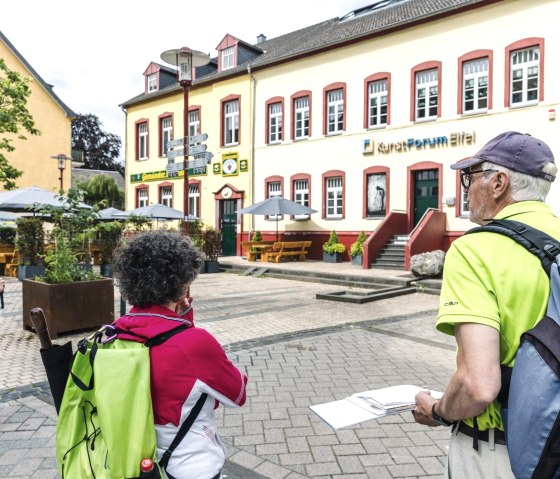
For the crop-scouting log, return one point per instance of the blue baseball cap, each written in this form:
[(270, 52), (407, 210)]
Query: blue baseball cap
[(516, 151)]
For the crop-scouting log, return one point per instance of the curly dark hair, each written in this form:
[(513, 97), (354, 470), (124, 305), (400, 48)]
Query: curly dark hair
[(155, 267)]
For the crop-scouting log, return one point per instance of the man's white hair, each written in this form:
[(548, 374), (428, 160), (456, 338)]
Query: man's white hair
[(525, 187)]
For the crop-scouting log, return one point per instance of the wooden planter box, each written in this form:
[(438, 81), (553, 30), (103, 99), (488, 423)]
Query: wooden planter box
[(70, 307)]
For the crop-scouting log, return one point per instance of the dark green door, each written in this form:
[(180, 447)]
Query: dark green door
[(426, 192), (228, 225)]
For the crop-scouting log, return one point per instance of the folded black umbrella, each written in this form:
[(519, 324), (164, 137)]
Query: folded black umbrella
[(56, 358)]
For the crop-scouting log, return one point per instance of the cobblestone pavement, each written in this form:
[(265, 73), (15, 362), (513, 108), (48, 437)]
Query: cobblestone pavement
[(298, 351)]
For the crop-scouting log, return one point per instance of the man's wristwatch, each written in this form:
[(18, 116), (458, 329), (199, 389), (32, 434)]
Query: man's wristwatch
[(440, 420)]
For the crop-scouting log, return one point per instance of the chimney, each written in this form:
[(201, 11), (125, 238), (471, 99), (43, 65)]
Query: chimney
[(261, 38)]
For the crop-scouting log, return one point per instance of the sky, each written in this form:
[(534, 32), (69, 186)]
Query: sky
[(95, 53)]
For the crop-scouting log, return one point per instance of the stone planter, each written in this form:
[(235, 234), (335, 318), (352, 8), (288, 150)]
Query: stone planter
[(29, 271), (332, 258), (106, 270), (358, 260), (211, 266), (71, 306)]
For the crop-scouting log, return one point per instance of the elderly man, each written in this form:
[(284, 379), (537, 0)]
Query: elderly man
[(493, 290)]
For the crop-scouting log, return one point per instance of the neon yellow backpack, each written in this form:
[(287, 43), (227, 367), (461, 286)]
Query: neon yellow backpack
[(106, 422)]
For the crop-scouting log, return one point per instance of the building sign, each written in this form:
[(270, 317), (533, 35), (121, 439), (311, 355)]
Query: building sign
[(164, 175), (413, 144), (243, 165)]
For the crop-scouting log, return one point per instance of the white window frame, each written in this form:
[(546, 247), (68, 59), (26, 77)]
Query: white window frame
[(377, 103), (275, 122), (427, 89), (335, 111), (476, 85), (142, 141), (166, 134), (274, 189), (464, 204), (228, 57), (194, 200), (231, 123), (334, 197), (301, 118), (301, 195), (142, 197), (152, 82), (525, 73), (194, 122), (166, 194)]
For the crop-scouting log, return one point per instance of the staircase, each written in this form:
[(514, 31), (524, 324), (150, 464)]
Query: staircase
[(392, 254)]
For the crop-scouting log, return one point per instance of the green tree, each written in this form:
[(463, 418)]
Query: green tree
[(14, 117), (102, 189), (100, 149)]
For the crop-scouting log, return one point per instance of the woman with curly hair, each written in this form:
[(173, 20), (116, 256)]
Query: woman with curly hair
[(154, 272)]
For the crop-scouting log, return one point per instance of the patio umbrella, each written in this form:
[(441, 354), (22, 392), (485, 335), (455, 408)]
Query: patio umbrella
[(24, 199), (7, 216), (275, 206), (108, 214), (56, 359), (156, 211)]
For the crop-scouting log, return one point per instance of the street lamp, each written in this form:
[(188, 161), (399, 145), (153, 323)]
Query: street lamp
[(61, 157), (185, 59)]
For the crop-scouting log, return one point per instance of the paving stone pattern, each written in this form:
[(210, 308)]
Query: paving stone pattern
[(297, 351)]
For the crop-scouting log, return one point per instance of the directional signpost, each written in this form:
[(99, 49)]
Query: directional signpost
[(193, 140), (196, 149)]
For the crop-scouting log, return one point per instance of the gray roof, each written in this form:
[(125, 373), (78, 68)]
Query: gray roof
[(379, 18), (43, 83)]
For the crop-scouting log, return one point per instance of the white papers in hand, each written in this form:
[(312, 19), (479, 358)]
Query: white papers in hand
[(369, 405)]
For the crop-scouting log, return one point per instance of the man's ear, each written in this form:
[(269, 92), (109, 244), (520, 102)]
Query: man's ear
[(500, 185)]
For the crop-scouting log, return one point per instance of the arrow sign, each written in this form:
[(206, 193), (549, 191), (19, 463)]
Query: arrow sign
[(197, 138), (174, 143), (206, 156), (197, 163), (174, 153), (197, 149)]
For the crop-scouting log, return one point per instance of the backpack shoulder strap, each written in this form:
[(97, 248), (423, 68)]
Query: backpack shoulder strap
[(542, 245), (161, 338)]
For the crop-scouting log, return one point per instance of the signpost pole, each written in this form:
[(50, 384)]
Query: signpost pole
[(186, 85)]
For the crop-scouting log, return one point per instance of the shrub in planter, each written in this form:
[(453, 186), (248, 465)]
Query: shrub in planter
[(211, 249), (7, 235), (108, 237), (30, 242), (332, 249), (357, 249)]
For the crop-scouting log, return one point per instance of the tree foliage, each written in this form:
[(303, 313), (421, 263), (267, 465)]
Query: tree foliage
[(14, 117), (102, 189), (101, 149)]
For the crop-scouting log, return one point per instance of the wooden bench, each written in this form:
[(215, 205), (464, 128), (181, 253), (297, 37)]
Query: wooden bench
[(293, 250), (256, 248)]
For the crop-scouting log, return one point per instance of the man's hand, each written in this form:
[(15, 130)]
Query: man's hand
[(423, 411)]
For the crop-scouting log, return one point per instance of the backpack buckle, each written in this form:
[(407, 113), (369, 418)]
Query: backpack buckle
[(551, 251)]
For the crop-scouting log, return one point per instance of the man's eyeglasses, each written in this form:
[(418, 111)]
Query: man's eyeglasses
[(467, 177)]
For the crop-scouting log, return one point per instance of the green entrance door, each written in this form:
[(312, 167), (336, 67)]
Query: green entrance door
[(426, 192), (228, 225)]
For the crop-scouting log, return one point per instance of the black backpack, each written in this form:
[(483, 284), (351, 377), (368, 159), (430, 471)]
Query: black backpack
[(530, 393)]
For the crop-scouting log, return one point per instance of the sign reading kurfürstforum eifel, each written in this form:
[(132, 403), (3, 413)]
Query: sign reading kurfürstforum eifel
[(411, 144)]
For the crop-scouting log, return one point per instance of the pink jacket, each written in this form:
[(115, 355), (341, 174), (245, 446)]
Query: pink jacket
[(188, 364)]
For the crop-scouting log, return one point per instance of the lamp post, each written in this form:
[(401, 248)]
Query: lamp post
[(61, 157), (185, 59)]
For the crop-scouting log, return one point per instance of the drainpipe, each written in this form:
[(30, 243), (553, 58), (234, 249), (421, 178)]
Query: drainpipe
[(253, 109), (124, 149)]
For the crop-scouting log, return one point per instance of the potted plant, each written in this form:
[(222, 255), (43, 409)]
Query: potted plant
[(30, 241), (108, 237), (212, 247), (357, 249), (72, 297), (332, 249), (257, 236)]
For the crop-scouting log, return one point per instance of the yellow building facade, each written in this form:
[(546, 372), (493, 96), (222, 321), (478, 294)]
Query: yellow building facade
[(360, 117), (52, 118)]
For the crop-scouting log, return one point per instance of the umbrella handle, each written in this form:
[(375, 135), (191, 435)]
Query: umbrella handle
[(40, 324)]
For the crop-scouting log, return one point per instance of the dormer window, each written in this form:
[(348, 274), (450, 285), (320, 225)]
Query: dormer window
[(152, 82), (227, 58)]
